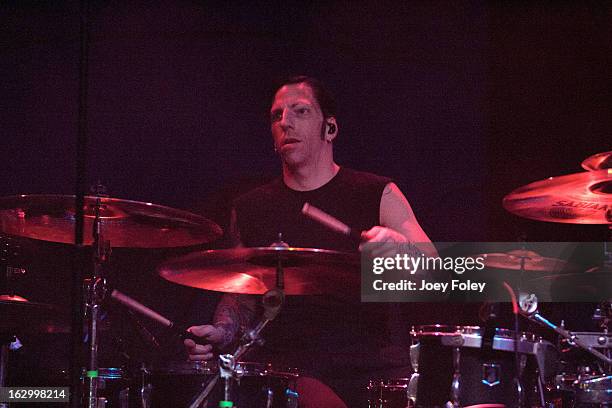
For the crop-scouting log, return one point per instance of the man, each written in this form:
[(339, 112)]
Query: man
[(327, 336)]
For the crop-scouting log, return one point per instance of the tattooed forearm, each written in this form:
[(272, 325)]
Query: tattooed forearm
[(234, 314)]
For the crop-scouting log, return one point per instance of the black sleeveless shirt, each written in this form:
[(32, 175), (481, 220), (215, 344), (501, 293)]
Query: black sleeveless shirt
[(351, 196), (309, 328)]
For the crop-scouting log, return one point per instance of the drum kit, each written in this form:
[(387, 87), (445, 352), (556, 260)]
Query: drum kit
[(452, 366)]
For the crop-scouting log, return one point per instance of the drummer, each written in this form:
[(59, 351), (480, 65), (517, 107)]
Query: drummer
[(327, 337)]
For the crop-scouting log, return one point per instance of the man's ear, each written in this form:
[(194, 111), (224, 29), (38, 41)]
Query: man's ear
[(331, 129)]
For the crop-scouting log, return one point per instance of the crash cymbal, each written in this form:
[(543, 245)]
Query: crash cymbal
[(533, 262), (581, 198), (22, 316), (598, 161), (307, 271), (125, 223)]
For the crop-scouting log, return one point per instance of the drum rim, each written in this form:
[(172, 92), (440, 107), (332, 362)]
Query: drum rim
[(440, 330), (259, 369), (180, 367)]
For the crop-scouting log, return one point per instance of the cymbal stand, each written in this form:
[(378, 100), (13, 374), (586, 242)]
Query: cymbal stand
[(95, 292), (272, 302)]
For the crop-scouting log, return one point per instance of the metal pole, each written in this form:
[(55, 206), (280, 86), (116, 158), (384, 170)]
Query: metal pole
[(77, 297)]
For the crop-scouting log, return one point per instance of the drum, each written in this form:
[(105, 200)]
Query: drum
[(586, 378), (171, 384), (113, 388), (264, 386), (594, 392), (455, 366), (176, 384), (394, 393)]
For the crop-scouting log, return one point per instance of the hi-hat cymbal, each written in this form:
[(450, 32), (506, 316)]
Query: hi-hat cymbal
[(124, 223), (533, 262), (22, 316), (581, 198), (598, 161), (307, 271)]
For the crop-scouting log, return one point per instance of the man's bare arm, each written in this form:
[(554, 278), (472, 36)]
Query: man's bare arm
[(234, 315), (396, 213), (397, 225)]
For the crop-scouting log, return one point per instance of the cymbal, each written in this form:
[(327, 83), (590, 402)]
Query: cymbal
[(573, 287), (598, 161), (124, 223), (22, 316), (307, 271), (533, 262), (581, 198)]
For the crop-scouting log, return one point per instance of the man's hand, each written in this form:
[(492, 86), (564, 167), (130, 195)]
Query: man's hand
[(386, 239), (211, 336)]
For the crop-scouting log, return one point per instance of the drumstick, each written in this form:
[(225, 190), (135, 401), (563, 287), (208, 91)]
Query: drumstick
[(329, 221), (151, 314)]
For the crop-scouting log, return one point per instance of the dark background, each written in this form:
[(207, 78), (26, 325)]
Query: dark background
[(459, 102)]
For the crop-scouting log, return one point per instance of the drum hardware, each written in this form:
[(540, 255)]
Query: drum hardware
[(518, 260), (603, 315), (287, 377), (95, 291), (453, 356), (272, 302), (391, 393), (227, 362), (583, 342), (124, 223), (113, 388), (581, 198)]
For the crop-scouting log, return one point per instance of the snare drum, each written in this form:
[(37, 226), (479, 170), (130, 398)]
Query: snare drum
[(454, 367)]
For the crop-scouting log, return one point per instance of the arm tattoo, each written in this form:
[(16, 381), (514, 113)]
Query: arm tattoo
[(234, 314)]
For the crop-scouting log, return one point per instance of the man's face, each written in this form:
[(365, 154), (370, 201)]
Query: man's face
[(297, 124)]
